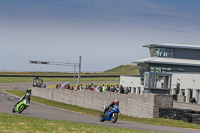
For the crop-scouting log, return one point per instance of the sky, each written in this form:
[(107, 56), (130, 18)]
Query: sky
[(105, 33)]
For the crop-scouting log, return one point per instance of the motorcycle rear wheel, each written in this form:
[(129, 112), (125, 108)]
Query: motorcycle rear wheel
[(101, 117), (114, 117), (13, 110)]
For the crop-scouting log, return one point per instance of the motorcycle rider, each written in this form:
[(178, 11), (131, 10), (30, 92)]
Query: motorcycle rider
[(116, 103), (27, 97)]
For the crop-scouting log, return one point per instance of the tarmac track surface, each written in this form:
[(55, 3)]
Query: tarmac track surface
[(46, 112)]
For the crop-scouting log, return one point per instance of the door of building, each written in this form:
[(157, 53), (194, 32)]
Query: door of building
[(198, 97), (190, 94)]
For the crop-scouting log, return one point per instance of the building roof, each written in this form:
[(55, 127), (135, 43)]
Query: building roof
[(174, 61), (171, 45)]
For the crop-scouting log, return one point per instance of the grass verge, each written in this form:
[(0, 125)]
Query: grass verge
[(155, 121), (29, 79), (23, 124)]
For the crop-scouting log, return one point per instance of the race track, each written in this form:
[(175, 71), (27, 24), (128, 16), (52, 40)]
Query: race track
[(46, 112)]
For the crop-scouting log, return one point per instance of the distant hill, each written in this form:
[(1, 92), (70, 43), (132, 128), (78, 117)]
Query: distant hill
[(124, 70), (120, 70)]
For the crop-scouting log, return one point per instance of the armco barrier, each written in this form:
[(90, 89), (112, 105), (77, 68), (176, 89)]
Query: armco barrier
[(143, 106)]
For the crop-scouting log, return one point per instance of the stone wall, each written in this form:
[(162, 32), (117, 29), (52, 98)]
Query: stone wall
[(181, 105), (143, 106)]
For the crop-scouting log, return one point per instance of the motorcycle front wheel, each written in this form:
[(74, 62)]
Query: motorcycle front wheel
[(21, 109), (101, 117), (114, 117)]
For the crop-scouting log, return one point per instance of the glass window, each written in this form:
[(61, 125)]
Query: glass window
[(152, 79), (183, 92), (175, 69), (143, 67), (180, 69), (166, 69), (167, 82), (158, 81), (152, 69), (158, 69), (164, 52), (171, 53), (152, 52)]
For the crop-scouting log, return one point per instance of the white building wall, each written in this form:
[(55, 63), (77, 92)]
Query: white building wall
[(132, 81), (187, 81)]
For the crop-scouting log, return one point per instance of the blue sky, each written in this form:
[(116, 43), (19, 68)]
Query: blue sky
[(106, 33)]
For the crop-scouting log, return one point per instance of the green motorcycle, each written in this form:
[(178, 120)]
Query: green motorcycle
[(21, 106)]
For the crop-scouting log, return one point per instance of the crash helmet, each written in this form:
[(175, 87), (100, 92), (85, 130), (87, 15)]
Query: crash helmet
[(116, 102)]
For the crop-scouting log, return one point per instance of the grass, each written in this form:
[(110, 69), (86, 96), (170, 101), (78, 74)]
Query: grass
[(155, 121), (23, 124), (124, 69), (119, 70), (29, 79)]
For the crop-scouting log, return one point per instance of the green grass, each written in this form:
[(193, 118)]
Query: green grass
[(23, 124), (155, 121), (124, 69), (119, 70), (29, 79)]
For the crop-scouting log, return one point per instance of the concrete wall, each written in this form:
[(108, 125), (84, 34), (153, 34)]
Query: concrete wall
[(181, 105), (143, 106)]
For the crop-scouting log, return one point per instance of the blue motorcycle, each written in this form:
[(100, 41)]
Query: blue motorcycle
[(111, 115)]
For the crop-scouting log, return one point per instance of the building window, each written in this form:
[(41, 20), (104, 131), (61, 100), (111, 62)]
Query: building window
[(180, 70), (164, 52), (152, 52), (157, 81), (166, 69), (183, 92), (143, 67)]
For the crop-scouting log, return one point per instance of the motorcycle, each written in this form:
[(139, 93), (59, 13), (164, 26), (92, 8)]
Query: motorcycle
[(111, 115), (21, 106)]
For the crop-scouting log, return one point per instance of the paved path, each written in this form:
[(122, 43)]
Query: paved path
[(46, 112)]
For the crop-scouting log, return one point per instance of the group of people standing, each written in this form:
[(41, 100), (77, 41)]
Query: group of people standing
[(110, 88), (99, 88)]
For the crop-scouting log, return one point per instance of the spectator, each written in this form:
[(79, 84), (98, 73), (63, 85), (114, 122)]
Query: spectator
[(121, 89), (80, 87), (72, 88), (127, 90), (108, 87), (193, 100), (86, 87), (69, 86), (100, 88), (77, 88), (117, 86), (90, 87), (66, 86), (58, 86), (104, 88), (113, 89)]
